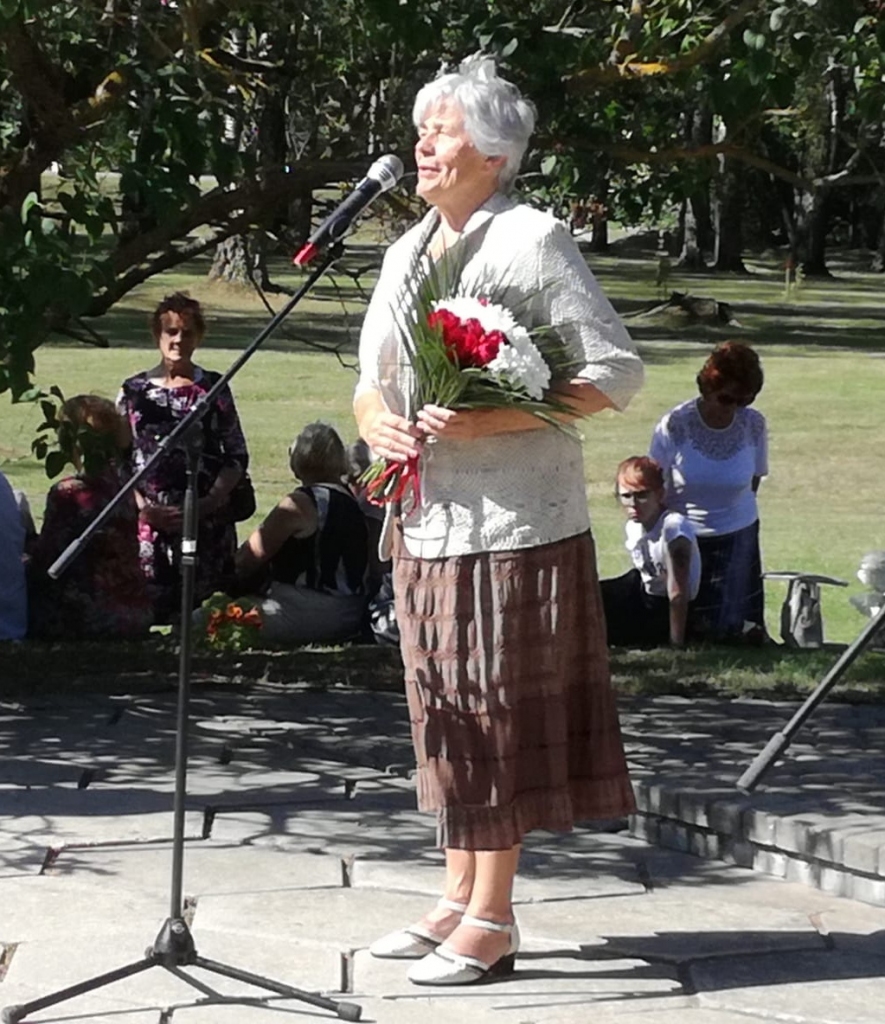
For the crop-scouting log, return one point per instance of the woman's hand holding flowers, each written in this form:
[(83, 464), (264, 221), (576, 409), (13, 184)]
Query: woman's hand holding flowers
[(393, 437)]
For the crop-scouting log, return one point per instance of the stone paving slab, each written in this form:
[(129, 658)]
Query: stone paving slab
[(345, 919), (61, 961), (49, 822), (44, 907), (652, 1014), (686, 756), (831, 988), (315, 848), (274, 1011), (343, 830), (543, 979), (671, 927), (93, 1008), (538, 879), (305, 965), (574, 1009), (207, 868)]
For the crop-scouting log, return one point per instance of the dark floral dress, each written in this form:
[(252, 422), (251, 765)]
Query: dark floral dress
[(102, 593), (153, 411)]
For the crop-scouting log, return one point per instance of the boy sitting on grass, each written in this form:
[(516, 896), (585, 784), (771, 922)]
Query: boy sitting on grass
[(649, 605)]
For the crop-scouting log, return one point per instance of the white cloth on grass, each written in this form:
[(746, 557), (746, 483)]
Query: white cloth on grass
[(13, 589)]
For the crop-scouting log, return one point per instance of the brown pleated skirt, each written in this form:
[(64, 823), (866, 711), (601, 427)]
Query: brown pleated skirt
[(513, 716)]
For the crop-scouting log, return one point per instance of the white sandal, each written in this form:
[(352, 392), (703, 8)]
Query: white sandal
[(445, 967), (414, 942)]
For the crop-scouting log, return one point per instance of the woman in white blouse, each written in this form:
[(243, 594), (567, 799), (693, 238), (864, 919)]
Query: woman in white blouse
[(502, 633), (714, 451)]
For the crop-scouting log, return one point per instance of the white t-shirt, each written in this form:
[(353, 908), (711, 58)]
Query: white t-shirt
[(649, 550), (709, 472), (13, 595)]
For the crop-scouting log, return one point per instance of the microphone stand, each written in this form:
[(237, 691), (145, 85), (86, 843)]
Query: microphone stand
[(174, 946), (781, 740)]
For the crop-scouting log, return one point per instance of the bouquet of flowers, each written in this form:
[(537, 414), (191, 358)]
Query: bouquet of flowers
[(468, 352), (231, 625)]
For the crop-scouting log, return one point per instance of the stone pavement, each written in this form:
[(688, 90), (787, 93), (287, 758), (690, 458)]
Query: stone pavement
[(303, 845)]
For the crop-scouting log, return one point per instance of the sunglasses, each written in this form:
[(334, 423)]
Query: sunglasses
[(724, 398), (634, 497)]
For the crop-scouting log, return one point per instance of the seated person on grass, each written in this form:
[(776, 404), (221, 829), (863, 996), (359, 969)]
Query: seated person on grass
[(13, 592), (308, 559), (649, 605), (102, 594)]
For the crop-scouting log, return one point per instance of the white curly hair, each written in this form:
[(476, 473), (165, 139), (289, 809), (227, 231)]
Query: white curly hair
[(497, 118)]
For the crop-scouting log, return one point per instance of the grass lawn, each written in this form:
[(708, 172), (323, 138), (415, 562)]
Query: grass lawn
[(770, 673), (822, 352)]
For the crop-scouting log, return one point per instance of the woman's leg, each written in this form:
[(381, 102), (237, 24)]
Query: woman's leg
[(491, 899), (460, 873)]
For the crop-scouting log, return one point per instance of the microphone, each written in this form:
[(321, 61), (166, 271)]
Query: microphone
[(381, 176)]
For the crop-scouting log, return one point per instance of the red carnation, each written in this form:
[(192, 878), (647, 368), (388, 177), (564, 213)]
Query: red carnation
[(467, 343)]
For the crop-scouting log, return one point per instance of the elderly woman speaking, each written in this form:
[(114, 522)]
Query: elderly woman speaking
[(513, 718)]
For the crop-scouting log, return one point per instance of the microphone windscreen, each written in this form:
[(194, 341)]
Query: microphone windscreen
[(386, 170)]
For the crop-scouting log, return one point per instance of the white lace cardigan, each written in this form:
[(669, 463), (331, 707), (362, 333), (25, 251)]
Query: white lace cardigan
[(520, 489)]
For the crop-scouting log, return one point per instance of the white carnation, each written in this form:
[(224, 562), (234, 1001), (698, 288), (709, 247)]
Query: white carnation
[(521, 365)]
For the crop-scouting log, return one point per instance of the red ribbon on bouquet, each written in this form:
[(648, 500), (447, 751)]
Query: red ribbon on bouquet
[(394, 482)]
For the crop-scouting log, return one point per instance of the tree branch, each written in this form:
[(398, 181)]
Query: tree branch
[(54, 124), (607, 74), (228, 211), (257, 198), (633, 155)]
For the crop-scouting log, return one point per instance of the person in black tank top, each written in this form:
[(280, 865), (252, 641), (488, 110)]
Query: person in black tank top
[(314, 546)]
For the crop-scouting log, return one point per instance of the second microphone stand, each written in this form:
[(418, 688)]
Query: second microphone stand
[(174, 947)]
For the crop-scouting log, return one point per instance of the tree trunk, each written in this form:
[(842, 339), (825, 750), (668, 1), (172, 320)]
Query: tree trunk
[(878, 264), (691, 257), (238, 261), (729, 212), (814, 221), (700, 133), (599, 220), (700, 208)]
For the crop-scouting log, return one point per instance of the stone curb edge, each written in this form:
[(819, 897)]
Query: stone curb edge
[(840, 855)]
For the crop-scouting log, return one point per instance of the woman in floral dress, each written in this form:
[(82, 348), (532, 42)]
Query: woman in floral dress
[(154, 401)]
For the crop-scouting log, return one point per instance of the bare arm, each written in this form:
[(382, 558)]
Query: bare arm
[(679, 564), (295, 516), (227, 479)]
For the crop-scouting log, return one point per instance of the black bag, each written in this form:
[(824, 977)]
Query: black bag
[(241, 503)]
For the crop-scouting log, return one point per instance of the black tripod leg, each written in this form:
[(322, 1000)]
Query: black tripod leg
[(781, 740), (13, 1014), (346, 1011)]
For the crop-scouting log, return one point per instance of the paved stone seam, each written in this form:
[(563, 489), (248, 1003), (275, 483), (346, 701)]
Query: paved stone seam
[(7, 951), (346, 984)]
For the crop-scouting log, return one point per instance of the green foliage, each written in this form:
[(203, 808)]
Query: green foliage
[(133, 137)]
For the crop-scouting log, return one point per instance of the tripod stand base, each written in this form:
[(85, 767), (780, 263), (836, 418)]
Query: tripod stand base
[(173, 949)]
